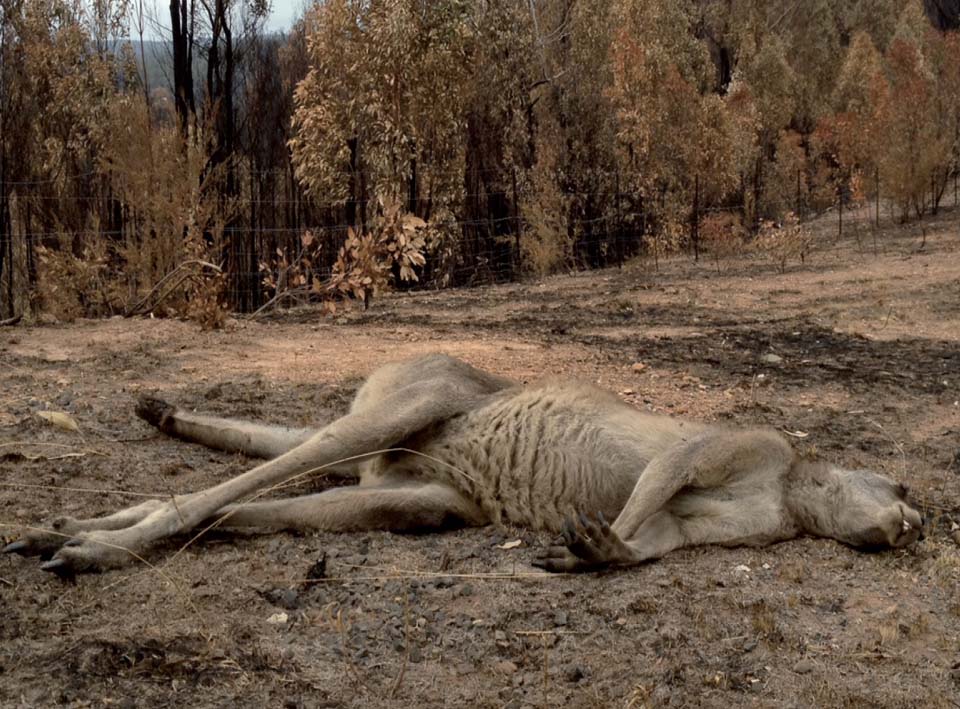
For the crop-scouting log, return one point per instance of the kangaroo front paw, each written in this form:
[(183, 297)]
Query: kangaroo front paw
[(585, 545), (558, 559)]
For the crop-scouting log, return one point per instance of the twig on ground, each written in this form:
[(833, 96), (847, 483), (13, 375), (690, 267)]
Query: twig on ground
[(89, 451), (438, 575), (896, 443), (341, 627), (406, 642), (546, 672), (92, 490)]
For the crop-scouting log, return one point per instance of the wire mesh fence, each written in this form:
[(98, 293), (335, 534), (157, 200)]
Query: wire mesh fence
[(263, 252)]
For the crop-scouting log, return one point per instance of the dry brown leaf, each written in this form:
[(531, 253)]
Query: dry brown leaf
[(60, 420)]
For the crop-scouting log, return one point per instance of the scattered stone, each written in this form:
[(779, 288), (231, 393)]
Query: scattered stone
[(771, 358), (560, 618), (505, 667), (283, 597), (278, 619)]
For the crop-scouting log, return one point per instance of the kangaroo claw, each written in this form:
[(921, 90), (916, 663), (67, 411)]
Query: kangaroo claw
[(61, 567), (18, 547)]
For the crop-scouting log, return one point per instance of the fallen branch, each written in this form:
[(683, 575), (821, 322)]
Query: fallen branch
[(141, 308), (293, 294), (10, 322), (83, 451)]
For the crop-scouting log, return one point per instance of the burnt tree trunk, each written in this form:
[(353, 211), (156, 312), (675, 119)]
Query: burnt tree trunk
[(181, 29)]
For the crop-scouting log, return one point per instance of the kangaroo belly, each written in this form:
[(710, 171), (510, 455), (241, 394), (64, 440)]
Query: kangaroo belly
[(534, 456)]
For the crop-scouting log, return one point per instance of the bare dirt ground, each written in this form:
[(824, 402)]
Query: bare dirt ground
[(869, 373)]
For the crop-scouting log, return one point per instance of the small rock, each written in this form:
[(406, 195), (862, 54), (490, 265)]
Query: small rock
[(505, 667), (638, 367), (742, 569), (283, 597), (500, 636), (771, 358), (278, 619), (560, 618), (804, 666)]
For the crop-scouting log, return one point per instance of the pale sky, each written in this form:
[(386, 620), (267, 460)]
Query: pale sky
[(282, 15)]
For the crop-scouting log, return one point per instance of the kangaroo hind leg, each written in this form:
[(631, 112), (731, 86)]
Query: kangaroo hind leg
[(356, 435), (230, 435), (407, 507)]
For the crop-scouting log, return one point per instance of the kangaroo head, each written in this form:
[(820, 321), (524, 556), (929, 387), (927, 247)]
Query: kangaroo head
[(861, 508), (876, 513)]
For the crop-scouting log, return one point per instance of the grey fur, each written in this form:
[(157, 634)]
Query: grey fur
[(490, 451)]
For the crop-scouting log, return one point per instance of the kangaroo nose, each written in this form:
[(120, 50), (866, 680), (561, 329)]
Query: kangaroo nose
[(923, 526)]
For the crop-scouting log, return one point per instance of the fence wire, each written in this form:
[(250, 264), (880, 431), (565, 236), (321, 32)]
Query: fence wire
[(269, 256)]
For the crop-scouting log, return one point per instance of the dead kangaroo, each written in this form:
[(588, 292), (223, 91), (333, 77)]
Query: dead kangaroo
[(471, 448)]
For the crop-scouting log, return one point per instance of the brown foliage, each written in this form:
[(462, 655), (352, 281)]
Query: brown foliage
[(524, 137)]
